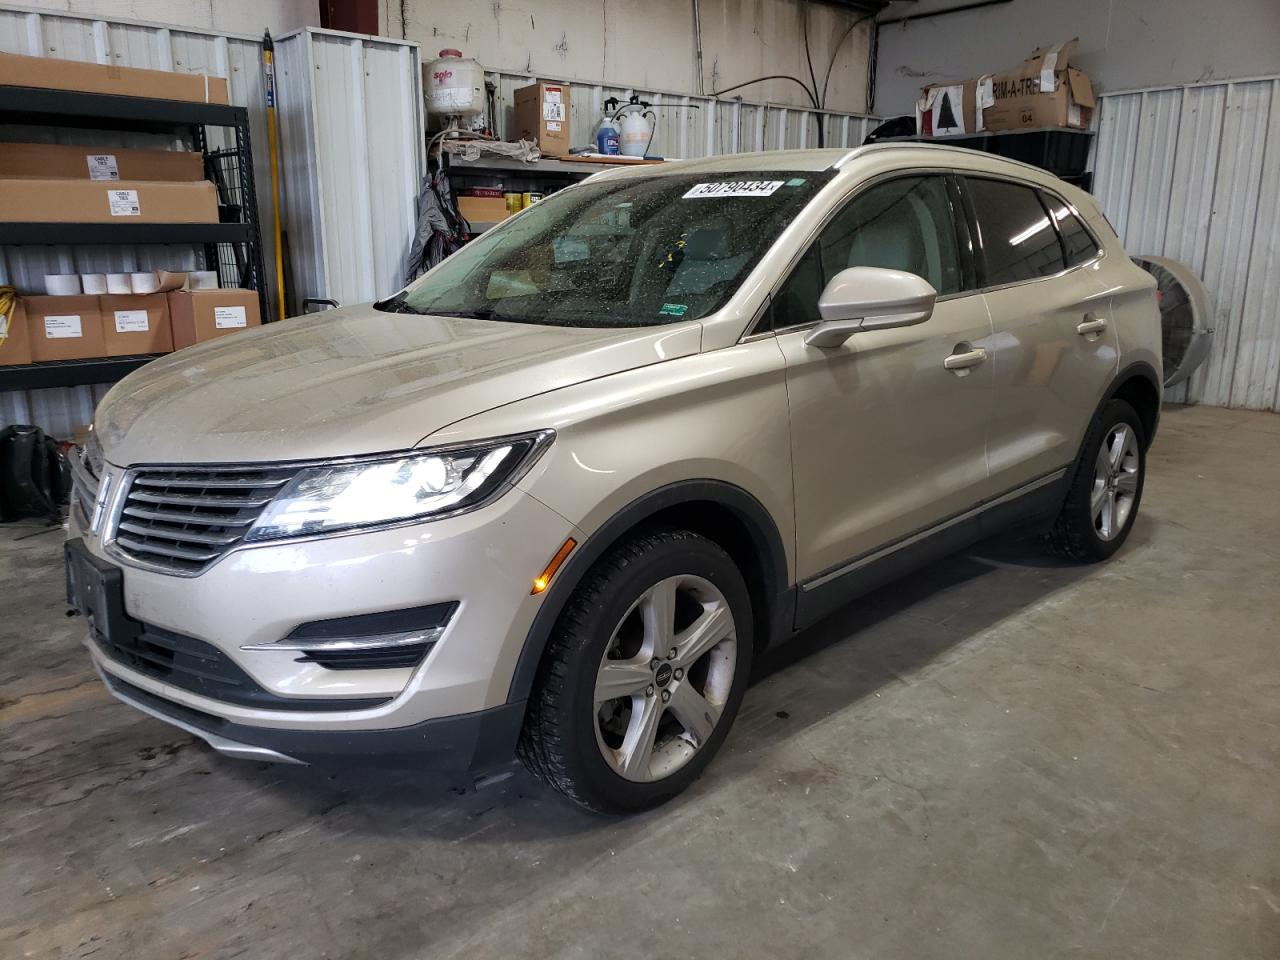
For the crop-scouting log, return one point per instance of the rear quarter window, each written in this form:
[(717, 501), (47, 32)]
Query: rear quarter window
[(1019, 241)]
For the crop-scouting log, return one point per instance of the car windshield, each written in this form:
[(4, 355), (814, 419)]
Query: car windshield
[(619, 253)]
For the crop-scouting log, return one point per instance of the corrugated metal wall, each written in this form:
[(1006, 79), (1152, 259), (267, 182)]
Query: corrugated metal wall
[(1193, 173), (690, 126)]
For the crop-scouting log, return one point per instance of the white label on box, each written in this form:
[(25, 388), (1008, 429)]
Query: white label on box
[(63, 327), (124, 203), (553, 126), (227, 317), (734, 188), (102, 166), (132, 321), (552, 104)]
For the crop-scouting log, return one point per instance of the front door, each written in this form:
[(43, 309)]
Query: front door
[(887, 441)]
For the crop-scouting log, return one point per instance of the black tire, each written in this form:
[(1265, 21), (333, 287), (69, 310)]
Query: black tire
[(558, 742), (1074, 534)]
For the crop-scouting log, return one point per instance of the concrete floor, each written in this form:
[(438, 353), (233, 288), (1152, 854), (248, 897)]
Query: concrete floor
[(1002, 757)]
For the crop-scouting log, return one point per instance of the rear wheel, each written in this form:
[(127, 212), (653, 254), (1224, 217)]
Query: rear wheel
[(643, 676), (1106, 489)]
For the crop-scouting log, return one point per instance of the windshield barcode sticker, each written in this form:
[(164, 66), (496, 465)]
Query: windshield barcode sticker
[(735, 188)]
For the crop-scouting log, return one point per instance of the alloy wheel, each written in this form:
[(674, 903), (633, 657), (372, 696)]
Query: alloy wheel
[(1115, 481), (665, 678)]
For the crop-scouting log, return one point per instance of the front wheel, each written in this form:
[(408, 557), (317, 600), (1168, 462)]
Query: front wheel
[(1106, 489), (643, 675)]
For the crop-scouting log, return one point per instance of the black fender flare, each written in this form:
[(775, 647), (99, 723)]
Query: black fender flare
[(745, 507), (1139, 368)]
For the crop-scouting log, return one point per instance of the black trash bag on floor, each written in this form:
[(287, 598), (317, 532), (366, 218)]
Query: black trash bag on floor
[(35, 477)]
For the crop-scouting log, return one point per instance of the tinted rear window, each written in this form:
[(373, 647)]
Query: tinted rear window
[(1019, 241), (1077, 242)]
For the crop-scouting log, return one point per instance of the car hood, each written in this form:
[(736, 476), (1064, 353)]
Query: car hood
[(354, 381)]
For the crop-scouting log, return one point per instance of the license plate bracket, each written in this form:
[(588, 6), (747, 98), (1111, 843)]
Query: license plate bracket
[(95, 589)]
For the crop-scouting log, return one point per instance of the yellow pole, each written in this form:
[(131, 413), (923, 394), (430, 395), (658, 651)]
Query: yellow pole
[(268, 59)]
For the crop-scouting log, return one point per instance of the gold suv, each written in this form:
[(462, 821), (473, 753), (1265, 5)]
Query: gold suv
[(555, 496)]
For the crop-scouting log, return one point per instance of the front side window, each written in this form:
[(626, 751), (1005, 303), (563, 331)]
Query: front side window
[(619, 253), (1019, 241), (903, 224)]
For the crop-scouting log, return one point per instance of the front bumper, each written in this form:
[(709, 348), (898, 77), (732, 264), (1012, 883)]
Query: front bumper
[(472, 742), (451, 706)]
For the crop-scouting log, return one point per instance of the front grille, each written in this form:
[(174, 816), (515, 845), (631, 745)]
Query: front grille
[(85, 478), (203, 669), (183, 519)]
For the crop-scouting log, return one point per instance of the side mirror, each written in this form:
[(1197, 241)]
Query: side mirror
[(870, 298)]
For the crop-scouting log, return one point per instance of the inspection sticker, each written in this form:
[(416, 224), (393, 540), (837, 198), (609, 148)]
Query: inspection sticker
[(226, 317), (734, 188), (124, 203), (102, 166)]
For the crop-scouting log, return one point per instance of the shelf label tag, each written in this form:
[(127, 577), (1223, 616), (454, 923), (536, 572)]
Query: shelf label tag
[(102, 166), (63, 327), (124, 203), (228, 317), (132, 321)]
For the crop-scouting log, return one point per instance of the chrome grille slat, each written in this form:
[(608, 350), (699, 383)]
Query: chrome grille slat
[(177, 533), (193, 500), (182, 519), (145, 481), (175, 552), (188, 516)]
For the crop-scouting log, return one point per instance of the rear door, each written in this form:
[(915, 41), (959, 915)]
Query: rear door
[(1054, 344), (886, 441)]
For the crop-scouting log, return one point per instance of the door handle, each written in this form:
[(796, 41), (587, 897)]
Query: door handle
[(965, 360), (1090, 324)]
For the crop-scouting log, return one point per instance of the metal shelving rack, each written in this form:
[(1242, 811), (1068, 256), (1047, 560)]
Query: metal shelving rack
[(233, 249)]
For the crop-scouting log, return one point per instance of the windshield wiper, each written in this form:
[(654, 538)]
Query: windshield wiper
[(480, 313), (396, 304)]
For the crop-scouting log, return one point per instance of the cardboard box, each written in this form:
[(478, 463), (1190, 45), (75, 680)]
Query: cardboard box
[(93, 201), (65, 328), (134, 324), (483, 209), (1045, 91), (542, 115), (46, 160), (200, 315), (50, 73), (16, 346)]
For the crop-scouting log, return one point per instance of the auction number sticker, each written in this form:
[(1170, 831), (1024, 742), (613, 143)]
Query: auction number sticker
[(734, 188)]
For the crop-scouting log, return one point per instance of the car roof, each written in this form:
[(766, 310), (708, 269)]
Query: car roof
[(835, 158)]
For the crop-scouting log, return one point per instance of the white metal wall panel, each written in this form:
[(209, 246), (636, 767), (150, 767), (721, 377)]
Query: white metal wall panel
[(1193, 173), (351, 118), (689, 126)]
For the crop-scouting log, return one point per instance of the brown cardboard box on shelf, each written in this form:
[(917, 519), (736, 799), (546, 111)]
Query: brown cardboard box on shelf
[(15, 347), (1045, 91), (45, 160), (200, 315), (51, 73), (134, 324), (94, 201), (542, 115), (483, 209), (65, 328)]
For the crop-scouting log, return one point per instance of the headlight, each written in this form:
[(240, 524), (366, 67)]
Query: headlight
[(406, 487)]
